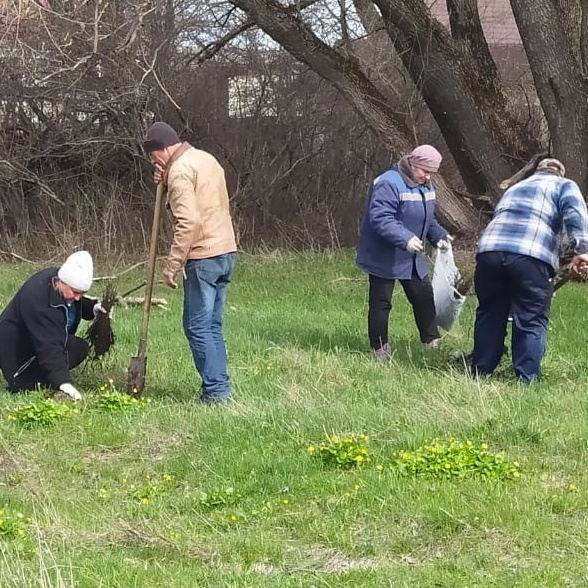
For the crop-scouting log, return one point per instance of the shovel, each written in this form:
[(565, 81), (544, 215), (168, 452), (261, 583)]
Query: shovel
[(138, 365)]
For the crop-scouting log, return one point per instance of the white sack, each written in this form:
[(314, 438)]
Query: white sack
[(448, 301)]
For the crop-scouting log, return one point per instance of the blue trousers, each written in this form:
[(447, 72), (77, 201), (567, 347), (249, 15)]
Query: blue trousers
[(205, 286), (522, 286)]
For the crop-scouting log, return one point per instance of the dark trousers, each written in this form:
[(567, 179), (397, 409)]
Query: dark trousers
[(522, 286), (76, 351), (420, 295)]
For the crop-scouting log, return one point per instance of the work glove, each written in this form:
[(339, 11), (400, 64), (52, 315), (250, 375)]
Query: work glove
[(98, 308), (68, 389), (445, 244), (414, 245)]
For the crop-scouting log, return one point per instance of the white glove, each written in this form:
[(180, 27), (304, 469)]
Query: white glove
[(70, 391), (414, 245), (98, 308), (445, 244)]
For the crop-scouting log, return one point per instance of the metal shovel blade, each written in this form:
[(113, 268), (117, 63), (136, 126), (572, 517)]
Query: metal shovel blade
[(136, 375)]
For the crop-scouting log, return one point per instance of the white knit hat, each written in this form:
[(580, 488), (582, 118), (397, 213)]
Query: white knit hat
[(77, 271)]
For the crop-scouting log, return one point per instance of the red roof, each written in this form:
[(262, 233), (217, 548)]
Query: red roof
[(497, 20)]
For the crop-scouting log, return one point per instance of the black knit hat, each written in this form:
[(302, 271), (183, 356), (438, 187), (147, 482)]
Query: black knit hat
[(159, 136)]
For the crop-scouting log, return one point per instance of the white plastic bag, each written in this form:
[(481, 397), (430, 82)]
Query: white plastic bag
[(448, 301)]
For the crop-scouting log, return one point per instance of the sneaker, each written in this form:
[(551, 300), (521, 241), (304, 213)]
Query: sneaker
[(463, 357), (384, 353), (432, 344), (211, 400)]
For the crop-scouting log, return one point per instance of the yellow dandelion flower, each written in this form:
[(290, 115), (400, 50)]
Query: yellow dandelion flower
[(167, 477), (311, 449), (380, 467), (145, 501), (516, 474), (468, 443), (234, 518), (484, 446), (356, 487), (359, 458), (286, 501)]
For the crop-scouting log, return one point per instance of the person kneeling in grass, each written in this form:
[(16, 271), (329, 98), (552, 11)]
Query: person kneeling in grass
[(38, 345)]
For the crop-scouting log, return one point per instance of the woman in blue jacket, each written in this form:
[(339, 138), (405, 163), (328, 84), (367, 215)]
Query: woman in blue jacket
[(399, 216)]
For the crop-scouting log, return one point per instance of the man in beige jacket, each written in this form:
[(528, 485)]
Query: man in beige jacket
[(203, 248)]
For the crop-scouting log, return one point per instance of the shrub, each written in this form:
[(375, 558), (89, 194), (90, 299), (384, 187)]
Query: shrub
[(113, 400), (13, 526), (454, 459), (345, 452), (45, 413)]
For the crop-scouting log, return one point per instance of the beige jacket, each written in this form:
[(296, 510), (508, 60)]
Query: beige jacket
[(198, 200)]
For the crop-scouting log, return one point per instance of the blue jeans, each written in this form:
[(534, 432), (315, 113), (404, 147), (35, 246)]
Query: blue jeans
[(522, 286), (205, 287)]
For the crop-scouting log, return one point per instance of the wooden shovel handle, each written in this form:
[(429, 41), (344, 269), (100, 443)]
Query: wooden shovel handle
[(150, 270)]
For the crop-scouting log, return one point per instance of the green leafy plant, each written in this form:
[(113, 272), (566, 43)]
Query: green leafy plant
[(345, 451), (112, 400), (13, 526), (454, 459), (218, 497), (150, 489), (142, 492), (44, 413)]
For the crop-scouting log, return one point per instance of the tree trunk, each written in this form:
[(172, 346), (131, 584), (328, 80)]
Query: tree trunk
[(345, 73), (558, 76), (459, 82)]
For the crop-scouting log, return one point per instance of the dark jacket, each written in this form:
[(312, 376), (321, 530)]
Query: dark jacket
[(34, 325), (397, 209)]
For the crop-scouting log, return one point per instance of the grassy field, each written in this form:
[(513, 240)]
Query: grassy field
[(173, 493)]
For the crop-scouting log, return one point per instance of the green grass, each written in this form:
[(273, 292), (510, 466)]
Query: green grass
[(115, 498)]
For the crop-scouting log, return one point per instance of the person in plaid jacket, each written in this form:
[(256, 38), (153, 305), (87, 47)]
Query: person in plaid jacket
[(516, 262)]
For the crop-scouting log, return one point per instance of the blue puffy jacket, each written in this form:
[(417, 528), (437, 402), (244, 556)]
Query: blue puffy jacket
[(397, 210)]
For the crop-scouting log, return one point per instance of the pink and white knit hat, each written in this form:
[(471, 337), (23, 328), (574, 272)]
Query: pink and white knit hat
[(425, 157)]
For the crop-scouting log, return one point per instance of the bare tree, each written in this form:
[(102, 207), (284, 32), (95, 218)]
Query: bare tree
[(555, 38), (301, 135)]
